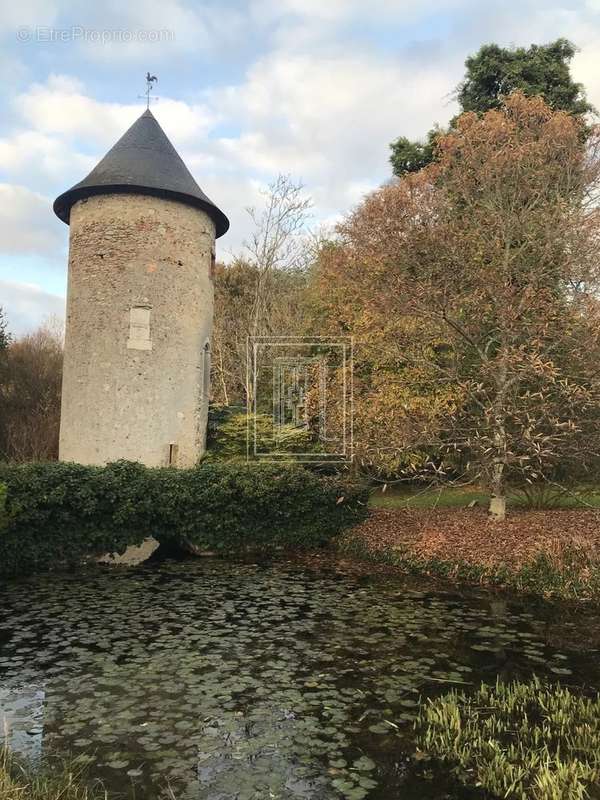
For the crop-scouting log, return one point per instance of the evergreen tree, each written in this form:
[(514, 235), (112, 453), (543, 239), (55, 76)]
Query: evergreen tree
[(493, 73)]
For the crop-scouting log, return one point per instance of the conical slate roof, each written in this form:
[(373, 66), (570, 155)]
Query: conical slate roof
[(145, 162)]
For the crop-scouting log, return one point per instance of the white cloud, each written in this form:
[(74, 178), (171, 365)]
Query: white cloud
[(586, 66), (27, 13), (58, 116), (27, 224), (317, 102), (336, 11), (61, 107), (31, 156), (233, 194), (155, 29), (329, 120), (125, 31), (27, 306), (325, 120)]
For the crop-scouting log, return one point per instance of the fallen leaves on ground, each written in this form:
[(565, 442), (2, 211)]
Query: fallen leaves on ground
[(469, 535)]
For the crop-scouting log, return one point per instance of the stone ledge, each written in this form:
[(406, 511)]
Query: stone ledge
[(135, 554)]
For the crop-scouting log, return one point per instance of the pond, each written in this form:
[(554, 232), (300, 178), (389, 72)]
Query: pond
[(219, 680)]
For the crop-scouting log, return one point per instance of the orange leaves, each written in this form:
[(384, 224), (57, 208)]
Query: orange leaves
[(471, 289), (469, 535)]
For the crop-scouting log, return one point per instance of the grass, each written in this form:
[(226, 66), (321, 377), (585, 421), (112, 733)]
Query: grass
[(461, 497), (523, 741), (577, 578), (54, 781), (410, 497)]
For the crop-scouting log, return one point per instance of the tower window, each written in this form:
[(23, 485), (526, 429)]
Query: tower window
[(139, 328)]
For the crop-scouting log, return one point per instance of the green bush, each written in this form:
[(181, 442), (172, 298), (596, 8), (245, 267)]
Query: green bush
[(228, 435), (523, 741), (233, 506), (59, 513)]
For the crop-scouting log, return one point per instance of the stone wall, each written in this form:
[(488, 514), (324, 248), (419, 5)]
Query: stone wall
[(139, 317)]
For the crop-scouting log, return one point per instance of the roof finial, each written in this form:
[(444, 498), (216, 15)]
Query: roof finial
[(150, 79)]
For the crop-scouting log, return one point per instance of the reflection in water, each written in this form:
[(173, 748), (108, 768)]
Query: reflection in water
[(233, 680), (22, 719)]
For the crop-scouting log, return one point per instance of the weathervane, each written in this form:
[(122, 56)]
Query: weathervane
[(150, 79)]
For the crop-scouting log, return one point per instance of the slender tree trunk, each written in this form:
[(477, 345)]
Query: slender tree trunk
[(250, 375), (497, 507), (257, 325), (221, 370)]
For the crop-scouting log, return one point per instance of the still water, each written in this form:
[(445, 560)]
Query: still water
[(234, 681)]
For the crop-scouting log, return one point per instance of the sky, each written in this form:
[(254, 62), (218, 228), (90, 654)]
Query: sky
[(316, 89)]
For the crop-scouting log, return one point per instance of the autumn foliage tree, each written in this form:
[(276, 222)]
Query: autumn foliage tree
[(491, 75), (30, 387), (472, 286)]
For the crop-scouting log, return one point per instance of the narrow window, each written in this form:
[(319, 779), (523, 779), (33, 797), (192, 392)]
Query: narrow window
[(139, 328), (173, 448), (206, 371), (213, 261)]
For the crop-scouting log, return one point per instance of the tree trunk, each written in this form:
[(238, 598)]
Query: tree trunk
[(221, 370), (497, 507)]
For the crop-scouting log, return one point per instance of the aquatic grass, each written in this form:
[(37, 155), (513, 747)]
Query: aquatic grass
[(570, 575), (59, 780), (524, 741)]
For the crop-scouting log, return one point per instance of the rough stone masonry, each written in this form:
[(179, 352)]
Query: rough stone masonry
[(136, 379)]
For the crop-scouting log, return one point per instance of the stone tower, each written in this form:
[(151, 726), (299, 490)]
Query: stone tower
[(139, 306)]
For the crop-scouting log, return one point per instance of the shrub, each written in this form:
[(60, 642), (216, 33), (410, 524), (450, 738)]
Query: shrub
[(228, 435), (59, 513), (233, 506), (518, 740)]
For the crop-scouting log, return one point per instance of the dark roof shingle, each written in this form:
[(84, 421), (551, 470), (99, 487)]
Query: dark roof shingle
[(143, 161)]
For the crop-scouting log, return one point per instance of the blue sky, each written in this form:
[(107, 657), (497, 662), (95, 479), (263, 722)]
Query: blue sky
[(247, 90)]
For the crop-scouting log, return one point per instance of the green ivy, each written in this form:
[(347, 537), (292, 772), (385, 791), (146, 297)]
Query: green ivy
[(60, 513)]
